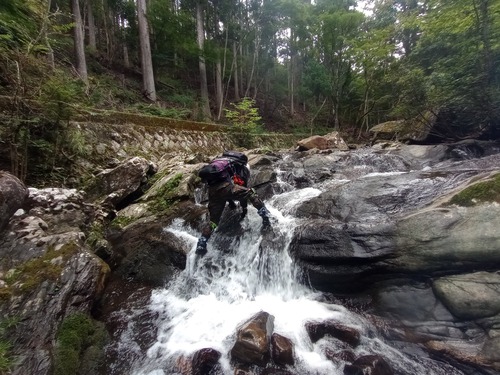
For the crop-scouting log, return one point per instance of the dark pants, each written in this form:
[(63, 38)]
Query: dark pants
[(219, 194)]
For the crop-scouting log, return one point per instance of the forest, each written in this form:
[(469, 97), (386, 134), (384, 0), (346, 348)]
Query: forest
[(296, 65)]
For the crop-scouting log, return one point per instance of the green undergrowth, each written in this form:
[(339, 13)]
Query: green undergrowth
[(6, 357), (114, 117), (95, 234), (122, 221), (27, 276), (80, 342), (166, 195), (485, 191)]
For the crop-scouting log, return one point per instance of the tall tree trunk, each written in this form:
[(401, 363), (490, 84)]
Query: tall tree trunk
[(126, 59), (106, 29), (148, 81), (242, 83), (219, 89), (291, 84), (81, 62), (200, 32), (91, 26), (254, 66), (236, 73)]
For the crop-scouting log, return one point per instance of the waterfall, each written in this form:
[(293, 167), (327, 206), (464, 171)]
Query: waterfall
[(240, 276), (248, 270)]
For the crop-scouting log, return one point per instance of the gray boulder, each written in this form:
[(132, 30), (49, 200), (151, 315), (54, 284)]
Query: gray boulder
[(470, 296), (450, 239), (47, 274), (113, 187), (13, 194)]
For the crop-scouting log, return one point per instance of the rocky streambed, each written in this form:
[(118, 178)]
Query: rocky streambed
[(407, 236)]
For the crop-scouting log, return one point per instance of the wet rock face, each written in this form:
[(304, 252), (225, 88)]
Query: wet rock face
[(204, 361), (47, 273), (282, 350), (13, 195), (253, 340), (470, 296), (144, 253), (369, 365), (116, 185), (382, 226), (318, 330)]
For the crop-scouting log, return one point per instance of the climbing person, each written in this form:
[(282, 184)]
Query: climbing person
[(227, 178)]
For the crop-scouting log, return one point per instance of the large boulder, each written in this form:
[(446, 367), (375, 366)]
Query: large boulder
[(452, 239), (13, 194), (144, 253), (470, 296), (329, 141), (253, 340), (417, 129), (120, 185), (47, 274)]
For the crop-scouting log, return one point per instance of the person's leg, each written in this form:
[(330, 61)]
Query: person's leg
[(244, 194), (217, 202)]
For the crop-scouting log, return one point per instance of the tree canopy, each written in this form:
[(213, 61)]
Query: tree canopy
[(306, 66)]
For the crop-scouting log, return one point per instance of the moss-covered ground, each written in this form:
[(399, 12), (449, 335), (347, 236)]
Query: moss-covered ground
[(484, 191)]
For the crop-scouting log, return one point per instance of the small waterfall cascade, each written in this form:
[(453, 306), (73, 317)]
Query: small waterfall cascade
[(250, 272)]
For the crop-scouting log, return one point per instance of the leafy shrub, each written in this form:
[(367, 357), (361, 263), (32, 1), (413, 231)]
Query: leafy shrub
[(245, 121)]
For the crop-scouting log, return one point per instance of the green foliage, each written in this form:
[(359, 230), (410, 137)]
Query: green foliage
[(79, 345), (245, 121), (184, 100), (58, 93), (174, 113), (485, 191), (104, 92), (6, 357), (15, 23), (121, 221), (166, 195), (95, 235)]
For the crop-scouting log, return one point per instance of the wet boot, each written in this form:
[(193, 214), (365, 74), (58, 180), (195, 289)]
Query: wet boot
[(201, 247), (264, 214)]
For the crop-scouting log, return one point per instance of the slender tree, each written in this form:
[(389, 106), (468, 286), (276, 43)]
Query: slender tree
[(148, 80), (78, 38), (91, 26), (200, 32)]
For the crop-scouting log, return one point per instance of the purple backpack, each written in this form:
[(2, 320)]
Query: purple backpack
[(217, 171)]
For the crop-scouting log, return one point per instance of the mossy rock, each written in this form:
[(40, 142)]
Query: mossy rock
[(480, 192), (32, 273), (416, 129), (80, 342)]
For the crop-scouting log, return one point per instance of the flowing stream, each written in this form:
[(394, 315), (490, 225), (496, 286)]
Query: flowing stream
[(246, 271)]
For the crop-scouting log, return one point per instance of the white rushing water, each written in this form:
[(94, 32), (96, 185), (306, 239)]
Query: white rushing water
[(205, 304)]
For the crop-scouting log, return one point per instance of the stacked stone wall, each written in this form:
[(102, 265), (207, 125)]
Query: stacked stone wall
[(120, 141)]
